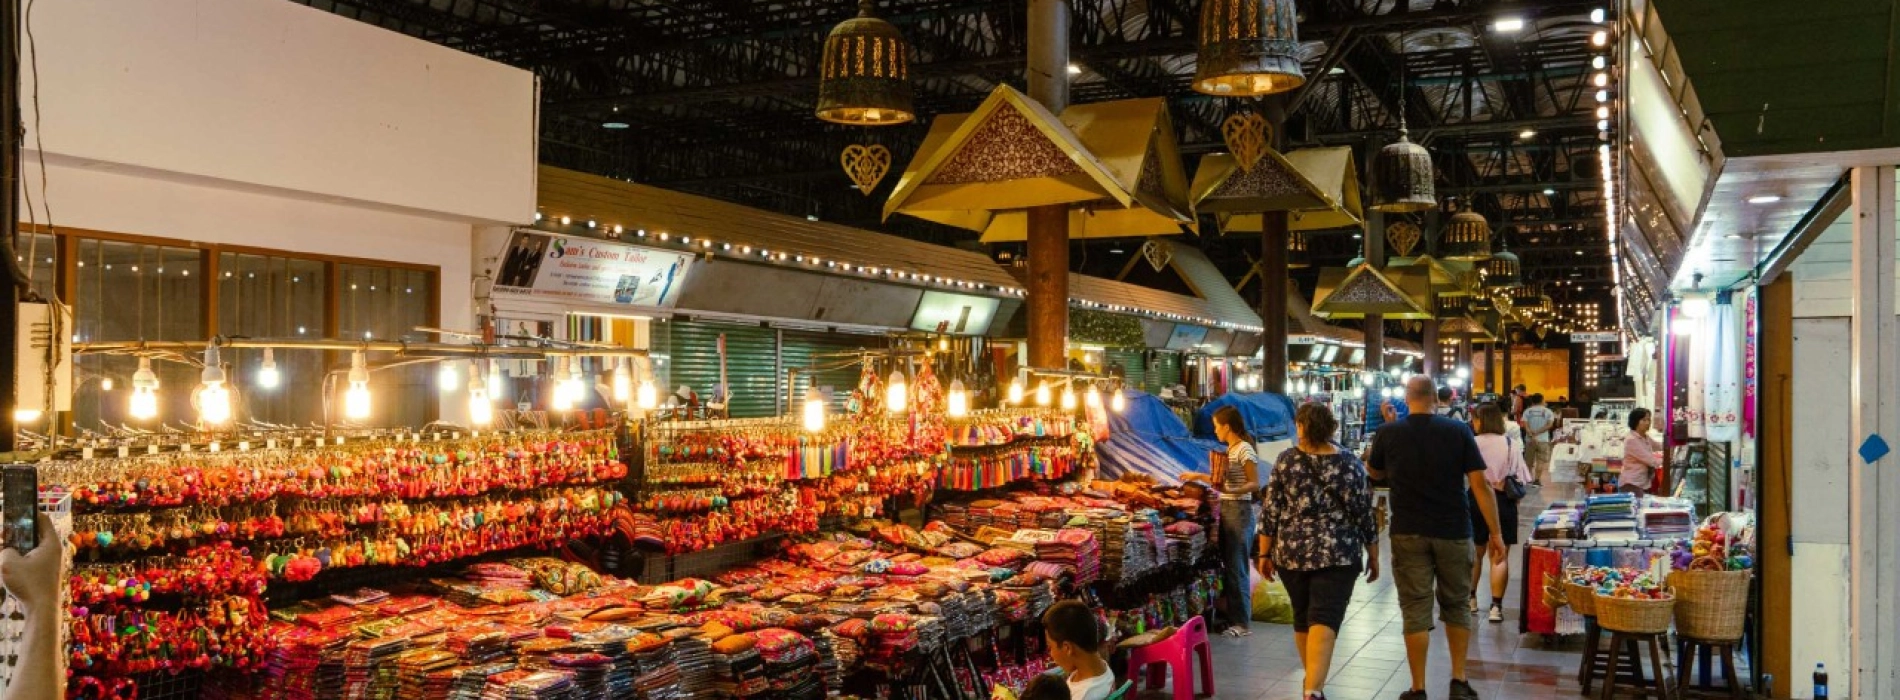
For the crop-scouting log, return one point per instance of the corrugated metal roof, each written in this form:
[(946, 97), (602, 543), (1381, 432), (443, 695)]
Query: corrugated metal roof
[(1121, 297), (1211, 285)]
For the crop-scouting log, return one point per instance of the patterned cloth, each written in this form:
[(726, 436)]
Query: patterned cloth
[(1318, 511)]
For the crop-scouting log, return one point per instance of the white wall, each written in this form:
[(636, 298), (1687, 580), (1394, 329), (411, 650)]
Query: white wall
[(277, 95), (1821, 454)]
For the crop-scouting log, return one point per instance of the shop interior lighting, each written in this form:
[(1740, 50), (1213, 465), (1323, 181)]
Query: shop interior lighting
[(481, 410), (447, 376), (1043, 394), (267, 375), (646, 396), (144, 401), (494, 379), (957, 403), (1508, 25), (105, 384), (1291, 388), (1764, 199), (1118, 402), (568, 389), (1015, 396), (897, 393), (813, 412), (1068, 398), (356, 398), (1463, 373), (214, 400), (1527, 134), (623, 381)]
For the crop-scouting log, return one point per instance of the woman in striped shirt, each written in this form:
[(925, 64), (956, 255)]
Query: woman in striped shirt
[(1237, 479)]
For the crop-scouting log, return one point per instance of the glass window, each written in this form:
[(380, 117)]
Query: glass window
[(389, 303), (268, 297), (130, 292)]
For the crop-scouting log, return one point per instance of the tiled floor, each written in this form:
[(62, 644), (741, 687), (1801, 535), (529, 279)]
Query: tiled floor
[(1369, 661)]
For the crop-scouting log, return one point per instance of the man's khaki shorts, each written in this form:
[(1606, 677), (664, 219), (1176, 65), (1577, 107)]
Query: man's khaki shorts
[(1425, 568)]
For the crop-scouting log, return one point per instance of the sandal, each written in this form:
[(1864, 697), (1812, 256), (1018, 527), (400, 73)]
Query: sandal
[(1237, 631)]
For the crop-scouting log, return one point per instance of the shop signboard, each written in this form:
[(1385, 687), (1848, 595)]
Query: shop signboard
[(1185, 337), (569, 268), (1609, 337), (956, 314)]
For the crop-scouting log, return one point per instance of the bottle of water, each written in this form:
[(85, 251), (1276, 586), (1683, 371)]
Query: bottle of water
[(1820, 682)]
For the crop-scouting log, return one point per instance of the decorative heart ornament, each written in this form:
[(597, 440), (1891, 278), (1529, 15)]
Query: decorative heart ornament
[(1247, 137), (1402, 237), (865, 165), (1158, 252)]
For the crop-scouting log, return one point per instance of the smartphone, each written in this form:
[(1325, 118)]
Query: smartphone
[(20, 489)]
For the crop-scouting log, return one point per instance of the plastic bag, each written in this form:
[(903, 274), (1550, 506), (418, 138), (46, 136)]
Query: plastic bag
[(1270, 601)]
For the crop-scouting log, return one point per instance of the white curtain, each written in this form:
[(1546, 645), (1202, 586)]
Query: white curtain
[(1695, 342), (1722, 405)]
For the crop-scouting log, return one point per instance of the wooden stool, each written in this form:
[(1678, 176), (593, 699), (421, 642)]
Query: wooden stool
[(1596, 664), (1686, 687), (1619, 641)]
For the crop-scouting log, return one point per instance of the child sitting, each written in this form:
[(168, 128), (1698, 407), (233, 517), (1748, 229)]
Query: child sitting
[(1045, 687), (1075, 642)]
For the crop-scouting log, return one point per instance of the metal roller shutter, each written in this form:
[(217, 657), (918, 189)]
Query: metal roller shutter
[(1134, 367), (1165, 372), (804, 349), (751, 363)]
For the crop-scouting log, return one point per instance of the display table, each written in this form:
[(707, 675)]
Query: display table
[(1549, 558)]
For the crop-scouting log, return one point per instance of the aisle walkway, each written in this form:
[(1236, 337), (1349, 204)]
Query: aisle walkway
[(1370, 663)]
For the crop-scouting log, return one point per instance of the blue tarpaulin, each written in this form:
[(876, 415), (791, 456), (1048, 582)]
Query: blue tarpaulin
[(1268, 417), (1147, 438)]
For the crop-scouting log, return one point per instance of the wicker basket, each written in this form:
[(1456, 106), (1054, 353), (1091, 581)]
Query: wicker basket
[(1635, 615), (1582, 598), (1710, 605)]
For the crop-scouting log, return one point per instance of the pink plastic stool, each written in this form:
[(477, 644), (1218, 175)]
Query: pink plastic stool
[(1174, 651)]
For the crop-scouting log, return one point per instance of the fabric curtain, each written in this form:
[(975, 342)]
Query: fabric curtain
[(1722, 408)]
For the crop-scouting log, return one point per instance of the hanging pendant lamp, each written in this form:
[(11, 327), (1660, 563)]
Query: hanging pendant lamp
[(1402, 178), (1248, 48), (1299, 252), (1466, 237), (864, 75), (1501, 270)]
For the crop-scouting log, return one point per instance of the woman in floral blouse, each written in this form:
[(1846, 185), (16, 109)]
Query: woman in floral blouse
[(1315, 526)]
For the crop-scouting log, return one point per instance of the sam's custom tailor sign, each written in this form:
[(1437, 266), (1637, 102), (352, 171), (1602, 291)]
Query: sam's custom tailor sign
[(553, 266)]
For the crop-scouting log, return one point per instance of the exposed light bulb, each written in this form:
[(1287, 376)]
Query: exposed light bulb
[(1464, 372), (897, 393), (267, 375), (1043, 394), (356, 399), (214, 401), (567, 387), (105, 384), (1118, 402), (814, 410), (957, 402), (481, 410), (943, 345), (1695, 307), (494, 379), (1016, 391), (623, 381), (647, 396), (26, 415), (447, 377), (1068, 398), (144, 402), (1092, 398)]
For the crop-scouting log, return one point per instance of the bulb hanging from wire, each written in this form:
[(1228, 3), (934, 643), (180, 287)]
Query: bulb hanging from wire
[(481, 411), (214, 400), (447, 377), (1016, 391), (1068, 397), (814, 410), (267, 376), (1042, 393), (356, 399), (567, 385), (144, 402), (623, 381), (1092, 398), (647, 396), (1118, 402), (495, 388), (897, 393), (957, 403)]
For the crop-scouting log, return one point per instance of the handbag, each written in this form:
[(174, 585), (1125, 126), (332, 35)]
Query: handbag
[(1513, 488)]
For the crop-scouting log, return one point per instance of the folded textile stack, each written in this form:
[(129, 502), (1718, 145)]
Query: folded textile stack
[(1187, 541), (1075, 549), (291, 669), (414, 668), (956, 515), (589, 671), (531, 685), (740, 674), (1667, 518), (368, 671), (1562, 520), (829, 669), (498, 575), (692, 654), (469, 682), (658, 677), (1611, 517)]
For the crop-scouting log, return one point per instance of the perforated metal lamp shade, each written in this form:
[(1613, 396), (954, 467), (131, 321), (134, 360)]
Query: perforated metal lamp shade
[(1466, 237), (1446, 306), (1298, 252), (1502, 270), (1402, 178), (1248, 48), (864, 75), (1525, 298)]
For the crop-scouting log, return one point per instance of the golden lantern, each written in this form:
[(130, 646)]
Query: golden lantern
[(864, 75), (1466, 237), (1248, 48), (1299, 252), (1501, 270), (1402, 176)]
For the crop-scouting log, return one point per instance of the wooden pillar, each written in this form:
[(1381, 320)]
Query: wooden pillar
[(1490, 368), (1434, 356), (1048, 289), (1374, 236), (1464, 353), (1873, 486), (1776, 430), (1273, 281), (1505, 382)]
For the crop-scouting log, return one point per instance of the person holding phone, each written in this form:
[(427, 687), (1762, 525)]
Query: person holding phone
[(1236, 478)]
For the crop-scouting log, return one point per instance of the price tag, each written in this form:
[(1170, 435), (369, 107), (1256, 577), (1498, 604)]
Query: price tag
[(151, 449), (85, 453), (215, 447), (124, 452), (244, 446), (270, 444)]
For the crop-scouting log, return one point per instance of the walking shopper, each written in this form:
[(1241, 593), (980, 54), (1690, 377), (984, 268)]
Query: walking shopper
[(1315, 523), (1501, 464), (1540, 424), (1640, 456), (1236, 479), (1430, 461)]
